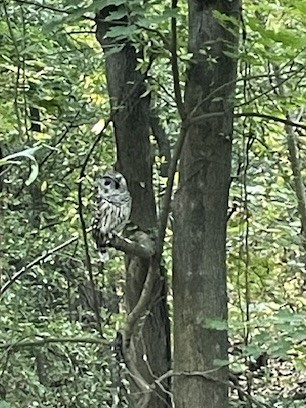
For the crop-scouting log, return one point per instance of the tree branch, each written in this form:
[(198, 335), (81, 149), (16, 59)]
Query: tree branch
[(37, 261), (163, 143), (42, 6), (289, 75), (223, 87), (80, 201), (144, 250), (206, 116), (297, 175), (143, 246), (60, 139), (168, 193), (171, 173), (174, 65), (293, 150), (132, 319), (139, 309), (83, 223), (211, 115), (270, 117), (50, 340)]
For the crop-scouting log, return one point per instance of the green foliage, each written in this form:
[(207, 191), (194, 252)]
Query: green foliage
[(60, 74), (266, 253), (4, 404)]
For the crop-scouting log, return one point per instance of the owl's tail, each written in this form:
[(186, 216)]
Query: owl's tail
[(103, 253), (101, 243)]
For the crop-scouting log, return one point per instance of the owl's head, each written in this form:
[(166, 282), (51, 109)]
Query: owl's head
[(111, 183)]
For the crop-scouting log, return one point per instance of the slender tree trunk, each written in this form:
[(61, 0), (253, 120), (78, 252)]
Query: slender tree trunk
[(200, 209), (149, 349), (294, 157)]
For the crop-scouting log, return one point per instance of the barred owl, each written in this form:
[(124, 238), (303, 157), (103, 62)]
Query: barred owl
[(113, 208)]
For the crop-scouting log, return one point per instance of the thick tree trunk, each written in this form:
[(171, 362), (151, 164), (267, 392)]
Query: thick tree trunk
[(200, 209), (149, 347)]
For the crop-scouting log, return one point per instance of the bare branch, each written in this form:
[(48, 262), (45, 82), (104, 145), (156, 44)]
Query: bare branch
[(212, 115), (42, 6), (83, 223), (143, 246), (174, 65), (180, 142), (80, 188), (37, 261), (168, 193), (294, 154), (68, 127), (289, 75), (205, 116), (50, 340), (139, 309), (163, 143), (145, 249), (51, 8), (297, 174), (270, 117)]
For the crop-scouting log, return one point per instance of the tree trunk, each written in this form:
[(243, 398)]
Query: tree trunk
[(200, 209), (150, 346)]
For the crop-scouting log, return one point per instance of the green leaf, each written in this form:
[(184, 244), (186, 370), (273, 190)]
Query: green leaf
[(164, 16), (121, 32), (4, 162), (116, 15), (29, 154), (115, 49), (33, 174), (220, 363)]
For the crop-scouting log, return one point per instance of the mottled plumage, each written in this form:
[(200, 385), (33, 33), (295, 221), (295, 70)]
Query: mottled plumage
[(113, 208)]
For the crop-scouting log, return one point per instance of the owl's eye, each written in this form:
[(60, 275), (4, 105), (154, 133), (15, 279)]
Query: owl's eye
[(107, 182), (117, 185)]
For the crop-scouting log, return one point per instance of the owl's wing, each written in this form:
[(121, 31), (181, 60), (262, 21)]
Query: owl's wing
[(110, 218)]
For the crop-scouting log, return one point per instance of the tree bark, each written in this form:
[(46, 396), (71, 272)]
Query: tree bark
[(148, 350), (200, 208)]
